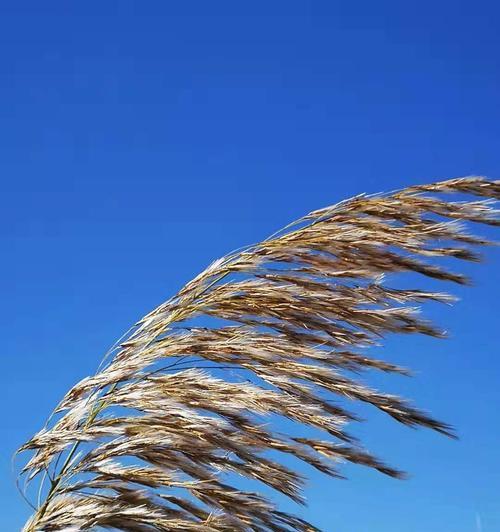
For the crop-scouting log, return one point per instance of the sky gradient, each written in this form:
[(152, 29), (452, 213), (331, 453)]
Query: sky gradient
[(142, 140)]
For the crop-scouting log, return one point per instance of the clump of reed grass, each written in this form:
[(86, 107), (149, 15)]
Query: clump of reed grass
[(155, 440)]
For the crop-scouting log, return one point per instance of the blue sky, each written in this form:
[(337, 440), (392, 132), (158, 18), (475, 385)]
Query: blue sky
[(141, 140)]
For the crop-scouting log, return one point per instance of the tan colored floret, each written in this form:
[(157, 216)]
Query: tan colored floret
[(191, 399)]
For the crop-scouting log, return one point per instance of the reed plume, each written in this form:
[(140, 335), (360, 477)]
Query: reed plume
[(194, 397)]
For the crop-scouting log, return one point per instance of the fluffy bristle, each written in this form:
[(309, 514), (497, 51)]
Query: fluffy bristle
[(158, 437)]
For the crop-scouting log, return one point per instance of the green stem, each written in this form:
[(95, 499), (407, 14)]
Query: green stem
[(55, 483)]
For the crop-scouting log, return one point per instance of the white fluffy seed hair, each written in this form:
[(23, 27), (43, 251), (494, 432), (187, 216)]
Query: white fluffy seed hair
[(191, 399)]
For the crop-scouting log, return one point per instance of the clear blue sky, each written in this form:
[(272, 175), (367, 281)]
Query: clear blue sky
[(141, 140)]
